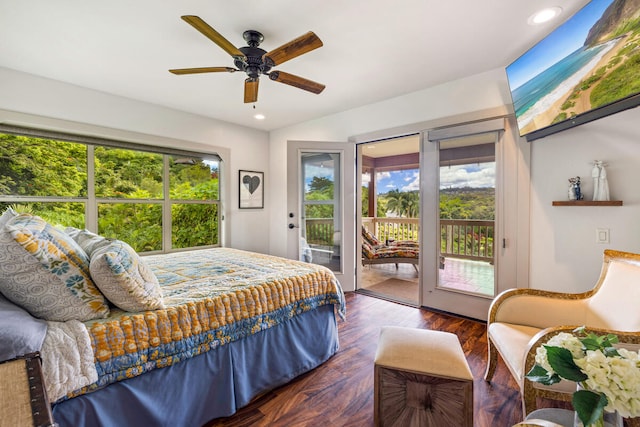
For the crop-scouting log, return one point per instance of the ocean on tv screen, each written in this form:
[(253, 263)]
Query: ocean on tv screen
[(603, 69)]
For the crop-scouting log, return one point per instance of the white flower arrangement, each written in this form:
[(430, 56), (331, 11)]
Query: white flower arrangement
[(609, 377)]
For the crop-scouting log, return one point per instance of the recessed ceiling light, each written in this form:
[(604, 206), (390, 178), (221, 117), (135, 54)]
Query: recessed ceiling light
[(544, 15), (259, 117)]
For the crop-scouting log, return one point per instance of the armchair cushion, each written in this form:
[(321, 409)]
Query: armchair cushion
[(510, 341)]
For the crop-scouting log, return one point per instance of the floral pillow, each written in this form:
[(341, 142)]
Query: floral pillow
[(124, 278), (6, 216), (44, 271), (88, 241)]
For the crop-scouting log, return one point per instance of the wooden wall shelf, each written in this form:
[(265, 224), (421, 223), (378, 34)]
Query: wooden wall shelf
[(586, 203)]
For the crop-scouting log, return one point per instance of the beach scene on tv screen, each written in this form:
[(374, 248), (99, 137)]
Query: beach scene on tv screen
[(590, 61)]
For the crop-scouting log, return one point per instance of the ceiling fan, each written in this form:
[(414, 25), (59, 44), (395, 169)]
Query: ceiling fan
[(255, 61)]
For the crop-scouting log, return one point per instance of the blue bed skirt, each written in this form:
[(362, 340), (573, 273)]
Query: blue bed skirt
[(211, 385)]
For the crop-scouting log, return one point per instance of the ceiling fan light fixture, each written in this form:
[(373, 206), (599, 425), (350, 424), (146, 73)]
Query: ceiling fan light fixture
[(255, 61), (544, 15)]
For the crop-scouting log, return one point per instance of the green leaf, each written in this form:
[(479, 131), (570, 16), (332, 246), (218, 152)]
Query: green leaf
[(562, 362), (542, 376), (591, 342), (589, 406)]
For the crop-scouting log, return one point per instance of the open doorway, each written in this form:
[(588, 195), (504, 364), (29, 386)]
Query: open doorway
[(390, 226), (391, 217)]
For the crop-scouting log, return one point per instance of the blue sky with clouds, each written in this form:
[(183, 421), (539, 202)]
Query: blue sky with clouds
[(559, 44), (482, 175), (476, 175)]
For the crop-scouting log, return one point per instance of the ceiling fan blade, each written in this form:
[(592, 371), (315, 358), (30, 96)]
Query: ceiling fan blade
[(299, 82), (203, 70), (303, 44), (251, 90), (197, 23)]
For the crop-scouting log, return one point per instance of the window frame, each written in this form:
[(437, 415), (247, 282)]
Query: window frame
[(91, 202)]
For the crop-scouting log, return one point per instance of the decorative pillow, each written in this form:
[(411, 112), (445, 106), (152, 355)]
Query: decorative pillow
[(124, 278), (88, 241), (6, 216), (44, 271), (368, 251), (20, 333)]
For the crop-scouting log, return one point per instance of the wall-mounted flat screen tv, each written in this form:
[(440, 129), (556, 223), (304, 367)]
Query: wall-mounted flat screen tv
[(587, 68)]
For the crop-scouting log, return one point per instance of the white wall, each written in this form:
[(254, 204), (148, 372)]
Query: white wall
[(53, 104), (564, 252)]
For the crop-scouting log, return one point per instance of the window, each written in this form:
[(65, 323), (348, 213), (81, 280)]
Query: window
[(321, 207), (194, 192), (152, 200)]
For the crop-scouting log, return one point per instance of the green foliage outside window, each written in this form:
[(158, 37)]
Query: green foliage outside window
[(51, 169), (42, 167), (126, 173), (138, 224), (194, 225), (468, 203), (320, 189)]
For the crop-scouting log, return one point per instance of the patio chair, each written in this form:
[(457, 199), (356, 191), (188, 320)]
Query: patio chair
[(374, 242), (389, 255), (520, 320)]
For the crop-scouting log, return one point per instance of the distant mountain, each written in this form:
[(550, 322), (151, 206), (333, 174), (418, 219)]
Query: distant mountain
[(614, 21), (468, 190)]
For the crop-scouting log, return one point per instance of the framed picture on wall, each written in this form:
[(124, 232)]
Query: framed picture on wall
[(251, 190)]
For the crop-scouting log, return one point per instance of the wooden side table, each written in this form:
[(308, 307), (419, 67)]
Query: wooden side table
[(23, 398)]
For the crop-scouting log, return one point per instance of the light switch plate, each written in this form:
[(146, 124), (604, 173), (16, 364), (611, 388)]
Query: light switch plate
[(602, 235)]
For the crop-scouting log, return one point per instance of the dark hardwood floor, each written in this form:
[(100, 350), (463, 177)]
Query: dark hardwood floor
[(340, 392)]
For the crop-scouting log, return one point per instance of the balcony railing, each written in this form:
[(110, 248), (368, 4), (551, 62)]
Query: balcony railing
[(459, 238), (393, 228), (319, 231), (467, 239)]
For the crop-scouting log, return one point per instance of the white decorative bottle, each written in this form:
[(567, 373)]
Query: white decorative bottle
[(600, 183)]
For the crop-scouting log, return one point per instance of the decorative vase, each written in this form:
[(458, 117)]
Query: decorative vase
[(608, 419)]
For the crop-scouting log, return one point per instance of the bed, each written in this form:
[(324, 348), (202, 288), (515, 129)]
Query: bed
[(230, 325)]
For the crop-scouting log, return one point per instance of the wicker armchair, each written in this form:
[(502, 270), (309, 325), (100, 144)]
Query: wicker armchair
[(520, 320)]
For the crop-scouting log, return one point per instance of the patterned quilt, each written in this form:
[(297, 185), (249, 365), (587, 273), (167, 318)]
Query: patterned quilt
[(213, 297)]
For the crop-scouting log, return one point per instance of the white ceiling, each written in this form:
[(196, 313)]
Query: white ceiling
[(373, 50), (392, 147)]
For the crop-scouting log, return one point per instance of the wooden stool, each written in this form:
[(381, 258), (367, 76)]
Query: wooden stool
[(421, 378)]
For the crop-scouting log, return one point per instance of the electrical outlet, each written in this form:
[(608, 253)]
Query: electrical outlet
[(602, 235)]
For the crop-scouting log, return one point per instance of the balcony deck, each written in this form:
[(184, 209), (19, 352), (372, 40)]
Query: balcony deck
[(401, 284)]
